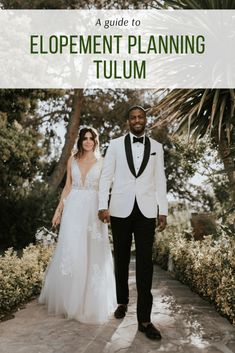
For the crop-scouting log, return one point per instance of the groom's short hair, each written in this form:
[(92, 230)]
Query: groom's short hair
[(134, 107)]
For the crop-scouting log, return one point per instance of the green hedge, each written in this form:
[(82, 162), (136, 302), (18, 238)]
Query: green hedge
[(21, 217), (21, 277), (207, 266)]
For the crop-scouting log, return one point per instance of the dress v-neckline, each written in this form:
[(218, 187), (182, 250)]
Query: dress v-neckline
[(79, 169)]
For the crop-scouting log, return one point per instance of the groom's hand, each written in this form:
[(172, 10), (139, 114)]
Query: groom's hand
[(104, 216), (161, 223)]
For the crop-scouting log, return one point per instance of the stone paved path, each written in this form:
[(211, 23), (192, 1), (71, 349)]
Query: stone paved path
[(188, 324)]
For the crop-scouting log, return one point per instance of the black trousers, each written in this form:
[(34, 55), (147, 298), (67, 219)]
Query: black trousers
[(143, 229)]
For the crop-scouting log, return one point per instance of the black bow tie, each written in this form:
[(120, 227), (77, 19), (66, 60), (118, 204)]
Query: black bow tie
[(138, 139)]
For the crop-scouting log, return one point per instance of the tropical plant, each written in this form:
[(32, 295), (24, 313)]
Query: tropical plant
[(201, 112), (194, 4)]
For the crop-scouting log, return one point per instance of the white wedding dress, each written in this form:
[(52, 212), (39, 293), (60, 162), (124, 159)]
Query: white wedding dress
[(79, 281)]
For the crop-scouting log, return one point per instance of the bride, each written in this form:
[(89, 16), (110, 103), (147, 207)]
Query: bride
[(79, 281)]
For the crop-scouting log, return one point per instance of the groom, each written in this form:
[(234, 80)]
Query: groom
[(134, 169)]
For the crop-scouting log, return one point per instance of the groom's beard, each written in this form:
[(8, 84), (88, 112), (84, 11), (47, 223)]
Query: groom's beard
[(137, 131)]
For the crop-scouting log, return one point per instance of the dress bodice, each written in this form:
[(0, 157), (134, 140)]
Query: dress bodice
[(92, 177)]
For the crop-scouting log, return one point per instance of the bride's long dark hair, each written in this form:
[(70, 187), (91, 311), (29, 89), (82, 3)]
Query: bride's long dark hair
[(81, 137)]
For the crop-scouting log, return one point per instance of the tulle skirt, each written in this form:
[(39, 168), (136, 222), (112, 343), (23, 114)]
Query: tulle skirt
[(79, 281)]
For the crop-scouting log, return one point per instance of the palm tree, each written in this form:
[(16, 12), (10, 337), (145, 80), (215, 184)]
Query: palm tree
[(194, 4), (201, 112)]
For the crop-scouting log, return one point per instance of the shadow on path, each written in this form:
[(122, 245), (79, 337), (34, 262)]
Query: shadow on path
[(188, 324)]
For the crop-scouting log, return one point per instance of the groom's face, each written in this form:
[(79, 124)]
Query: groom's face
[(137, 121)]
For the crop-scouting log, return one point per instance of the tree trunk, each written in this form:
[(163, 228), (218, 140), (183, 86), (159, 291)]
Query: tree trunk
[(70, 138), (227, 154)]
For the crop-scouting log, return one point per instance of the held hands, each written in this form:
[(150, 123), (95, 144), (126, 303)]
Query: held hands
[(161, 223), (104, 216)]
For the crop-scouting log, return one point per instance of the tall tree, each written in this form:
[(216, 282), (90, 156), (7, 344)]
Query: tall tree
[(70, 138)]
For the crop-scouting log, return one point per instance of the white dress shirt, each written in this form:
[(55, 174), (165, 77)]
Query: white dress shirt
[(137, 152)]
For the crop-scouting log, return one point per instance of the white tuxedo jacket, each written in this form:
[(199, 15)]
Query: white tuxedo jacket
[(118, 174)]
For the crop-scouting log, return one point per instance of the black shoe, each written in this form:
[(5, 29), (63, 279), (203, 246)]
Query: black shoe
[(120, 312), (150, 331)]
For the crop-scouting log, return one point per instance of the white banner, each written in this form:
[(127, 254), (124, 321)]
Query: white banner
[(117, 49)]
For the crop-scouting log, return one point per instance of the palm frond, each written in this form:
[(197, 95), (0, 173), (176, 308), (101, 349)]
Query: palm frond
[(197, 112), (232, 95), (221, 115), (204, 96), (194, 4), (213, 109)]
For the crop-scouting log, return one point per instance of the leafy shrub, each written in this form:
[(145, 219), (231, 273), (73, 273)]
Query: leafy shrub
[(207, 266), (21, 277), (21, 217)]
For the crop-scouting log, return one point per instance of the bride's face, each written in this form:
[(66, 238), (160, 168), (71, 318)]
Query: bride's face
[(88, 142)]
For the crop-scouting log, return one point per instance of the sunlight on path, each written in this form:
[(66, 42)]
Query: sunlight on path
[(188, 324)]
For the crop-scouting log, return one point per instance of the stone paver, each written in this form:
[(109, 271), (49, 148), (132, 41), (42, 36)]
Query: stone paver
[(188, 324)]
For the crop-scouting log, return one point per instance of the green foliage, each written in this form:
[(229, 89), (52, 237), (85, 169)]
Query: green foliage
[(121, 4), (106, 111), (37, 4), (19, 165), (21, 277), (199, 111), (19, 159), (21, 217), (223, 200), (21, 104), (204, 112), (222, 197), (181, 161), (74, 4), (23, 165), (207, 266)]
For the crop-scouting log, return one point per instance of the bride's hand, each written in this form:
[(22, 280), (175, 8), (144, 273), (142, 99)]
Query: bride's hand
[(56, 218)]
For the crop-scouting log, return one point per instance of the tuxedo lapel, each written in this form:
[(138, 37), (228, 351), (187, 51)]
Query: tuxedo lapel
[(146, 156), (129, 155)]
